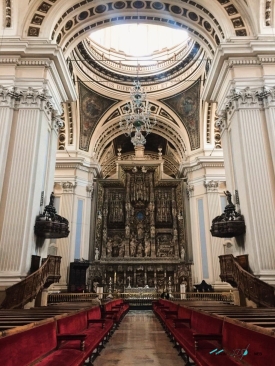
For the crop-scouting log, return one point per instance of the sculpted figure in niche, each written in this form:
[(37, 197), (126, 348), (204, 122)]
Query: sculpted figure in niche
[(121, 250), (133, 246), (147, 246), (96, 254), (109, 247), (182, 253), (127, 231), (171, 249), (140, 232), (140, 250)]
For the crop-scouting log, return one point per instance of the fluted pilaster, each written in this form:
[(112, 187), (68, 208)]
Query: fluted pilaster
[(258, 177), (214, 209), (64, 245), (21, 191), (252, 173)]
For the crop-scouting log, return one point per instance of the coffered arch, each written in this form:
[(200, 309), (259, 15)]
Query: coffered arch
[(175, 135), (68, 23)]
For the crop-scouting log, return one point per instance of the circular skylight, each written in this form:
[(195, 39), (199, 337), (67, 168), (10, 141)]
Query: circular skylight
[(146, 43)]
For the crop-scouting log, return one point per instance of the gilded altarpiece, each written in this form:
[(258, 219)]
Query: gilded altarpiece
[(140, 232)]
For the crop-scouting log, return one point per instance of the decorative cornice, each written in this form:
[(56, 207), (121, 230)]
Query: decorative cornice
[(211, 186), (77, 165), (199, 164)]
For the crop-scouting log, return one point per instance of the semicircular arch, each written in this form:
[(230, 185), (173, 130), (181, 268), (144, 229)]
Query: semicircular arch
[(69, 25), (176, 136)]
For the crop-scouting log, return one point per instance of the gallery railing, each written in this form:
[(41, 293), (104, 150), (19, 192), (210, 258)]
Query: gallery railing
[(141, 297), (253, 288), (26, 290)]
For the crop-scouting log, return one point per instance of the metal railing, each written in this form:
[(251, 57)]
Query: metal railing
[(142, 297)]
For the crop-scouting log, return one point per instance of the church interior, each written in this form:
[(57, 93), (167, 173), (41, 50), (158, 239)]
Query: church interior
[(138, 151)]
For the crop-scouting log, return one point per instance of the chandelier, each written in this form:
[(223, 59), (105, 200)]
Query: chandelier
[(137, 122)]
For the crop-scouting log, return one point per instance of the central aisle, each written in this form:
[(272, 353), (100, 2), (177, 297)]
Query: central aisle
[(140, 340)]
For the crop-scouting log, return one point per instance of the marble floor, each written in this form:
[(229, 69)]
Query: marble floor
[(139, 340)]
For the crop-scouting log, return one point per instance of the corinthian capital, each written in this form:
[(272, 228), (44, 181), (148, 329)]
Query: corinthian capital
[(211, 186), (68, 187)]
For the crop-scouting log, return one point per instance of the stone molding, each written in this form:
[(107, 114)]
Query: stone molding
[(211, 186), (200, 165), (78, 166)]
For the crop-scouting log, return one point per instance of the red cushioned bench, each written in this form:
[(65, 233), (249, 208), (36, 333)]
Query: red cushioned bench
[(199, 324), (242, 344), (88, 323), (164, 308), (39, 345), (181, 315), (115, 310)]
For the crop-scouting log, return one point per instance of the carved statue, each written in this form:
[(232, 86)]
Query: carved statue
[(96, 254), (140, 250), (127, 231), (109, 247), (229, 197), (140, 232), (147, 246), (182, 253), (133, 246), (121, 250)]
